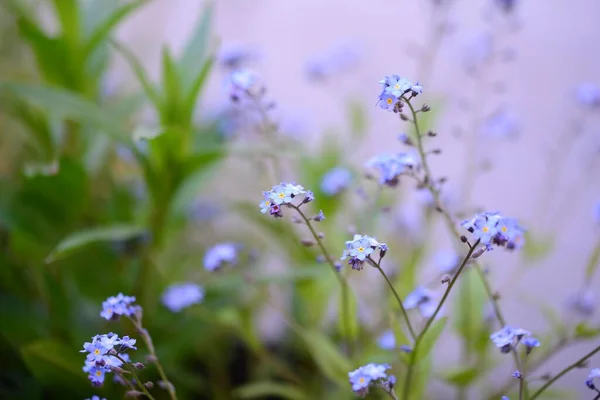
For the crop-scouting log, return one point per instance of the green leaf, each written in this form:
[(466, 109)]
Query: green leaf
[(172, 89), (470, 300), (536, 248), (269, 389), (196, 49), (70, 20), (329, 359), (421, 379), (430, 338), (358, 119), (593, 263), (584, 331), (81, 239), (195, 89), (462, 377), (140, 73), (103, 31), (352, 324)]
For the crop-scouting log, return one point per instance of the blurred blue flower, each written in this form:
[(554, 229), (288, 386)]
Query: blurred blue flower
[(588, 94), (96, 398), (361, 378), (447, 261), (220, 254), (477, 51), (517, 374), (242, 84), (391, 166), (236, 55), (387, 340), (507, 5), (421, 298), (332, 63), (502, 124), (504, 398), (508, 337), (416, 89), (319, 217), (530, 342), (182, 295), (590, 381), (115, 306), (584, 302), (335, 180)]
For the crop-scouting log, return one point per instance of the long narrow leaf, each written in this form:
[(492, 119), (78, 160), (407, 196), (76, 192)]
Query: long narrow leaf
[(102, 32), (69, 15), (192, 96), (197, 48)]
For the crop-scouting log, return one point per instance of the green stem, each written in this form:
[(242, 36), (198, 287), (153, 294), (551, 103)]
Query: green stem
[(564, 372), (135, 377), (431, 319), (150, 345), (404, 313), (341, 280)]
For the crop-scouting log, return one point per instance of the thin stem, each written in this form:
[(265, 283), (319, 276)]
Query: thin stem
[(392, 394), (341, 280), (564, 372), (404, 313), (150, 345), (432, 318), (135, 377), (521, 391)]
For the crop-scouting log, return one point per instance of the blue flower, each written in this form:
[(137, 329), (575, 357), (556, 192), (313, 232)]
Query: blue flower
[(517, 374), (96, 375), (334, 62), (391, 166), (491, 228), (504, 398), (502, 124), (336, 180), (584, 302), (588, 94), (416, 89), (94, 397), (319, 217), (387, 340), (127, 343), (387, 101), (116, 306), (508, 337), (361, 378), (242, 84), (358, 249), (507, 5), (421, 298), (220, 254), (236, 55), (590, 381), (530, 342), (179, 296)]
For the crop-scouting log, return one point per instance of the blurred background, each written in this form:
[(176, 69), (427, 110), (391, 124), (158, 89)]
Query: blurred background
[(123, 161)]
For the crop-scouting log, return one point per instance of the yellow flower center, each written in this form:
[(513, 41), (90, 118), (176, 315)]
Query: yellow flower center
[(97, 351), (397, 86), (281, 195), (98, 373), (504, 229), (267, 203), (485, 229), (361, 249), (389, 101), (361, 380)]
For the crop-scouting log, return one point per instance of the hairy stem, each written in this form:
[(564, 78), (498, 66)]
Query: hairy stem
[(341, 280), (135, 377), (564, 372), (413, 353)]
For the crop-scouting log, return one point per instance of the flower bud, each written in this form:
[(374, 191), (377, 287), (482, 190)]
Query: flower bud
[(307, 242), (149, 385), (133, 393), (138, 365), (425, 108), (477, 253), (445, 278), (403, 117)]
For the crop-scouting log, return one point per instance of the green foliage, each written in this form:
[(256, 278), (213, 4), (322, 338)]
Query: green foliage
[(263, 389)]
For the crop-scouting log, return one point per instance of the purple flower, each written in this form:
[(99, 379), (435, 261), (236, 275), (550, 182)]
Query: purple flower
[(220, 254), (588, 94), (590, 381), (116, 306), (361, 378), (387, 340), (336, 180), (179, 296), (423, 299)]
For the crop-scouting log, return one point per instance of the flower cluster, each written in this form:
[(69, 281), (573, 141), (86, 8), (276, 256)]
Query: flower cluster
[(118, 305), (394, 87), (362, 378), (360, 248), (182, 295), (335, 181), (423, 299), (507, 339), (387, 340), (102, 354), (219, 255), (594, 374), (491, 228), (283, 194), (391, 166), (243, 84)]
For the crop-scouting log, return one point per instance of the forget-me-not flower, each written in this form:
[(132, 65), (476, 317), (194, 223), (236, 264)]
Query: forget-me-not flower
[(94, 397), (588, 94), (491, 228), (391, 166), (502, 124), (100, 355), (116, 306), (182, 295), (359, 249), (508, 337), (361, 378), (423, 299), (335, 180), (283, 194), (219, 255), (592, 377), (387, 340)]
